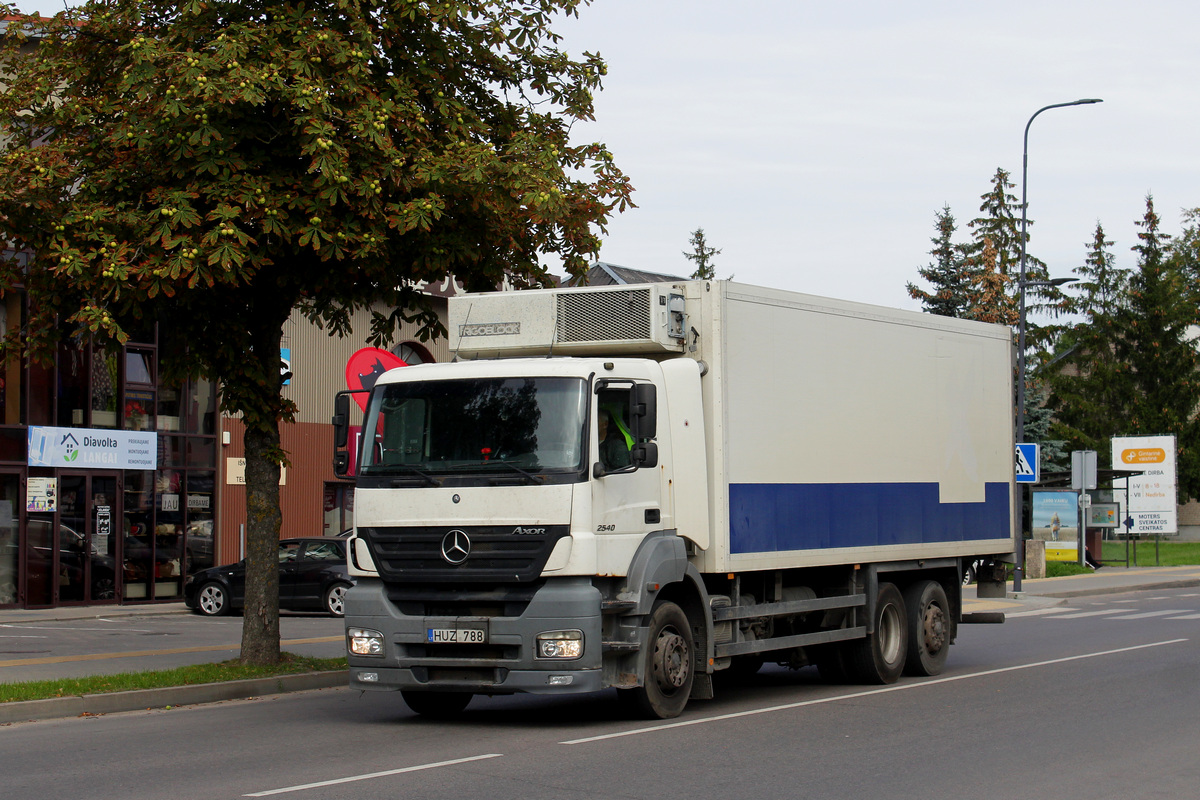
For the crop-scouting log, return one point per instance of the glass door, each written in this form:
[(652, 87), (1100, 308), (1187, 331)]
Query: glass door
[(86, 543)]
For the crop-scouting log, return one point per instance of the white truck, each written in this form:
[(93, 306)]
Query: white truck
[(641, 486)]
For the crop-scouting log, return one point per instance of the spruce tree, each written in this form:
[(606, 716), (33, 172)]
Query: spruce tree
[(949, 294), (1089, 388), (701, 256), (1154, 348)]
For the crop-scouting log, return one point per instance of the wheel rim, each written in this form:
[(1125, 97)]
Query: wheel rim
[(337, 600), (933, 628), (672, 660), (888, 634), (211, 599)]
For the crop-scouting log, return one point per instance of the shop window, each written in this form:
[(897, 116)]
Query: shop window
[(169, 402), (201, 452), (10, 493), (170, 451), (12, 444), (199, 503), (104, 389), (168, 534), (138, 541), (72, 384), (139, 366), (41, 395), (139, 410), (201, 408), (10, 374)]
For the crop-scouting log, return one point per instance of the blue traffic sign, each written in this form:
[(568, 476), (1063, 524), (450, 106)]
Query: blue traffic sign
[(1028, 463)]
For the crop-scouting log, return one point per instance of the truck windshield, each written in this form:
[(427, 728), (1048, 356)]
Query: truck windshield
[(494, 426)]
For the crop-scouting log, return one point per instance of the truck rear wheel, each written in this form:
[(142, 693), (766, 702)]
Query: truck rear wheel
[(928, 628), (880, 657), (437, 705), (670, 665)]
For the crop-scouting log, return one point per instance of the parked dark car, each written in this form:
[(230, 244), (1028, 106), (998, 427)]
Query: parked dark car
[(312, 576)]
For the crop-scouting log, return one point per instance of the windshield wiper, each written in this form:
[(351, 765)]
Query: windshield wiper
[(429, 480), (526, 473)]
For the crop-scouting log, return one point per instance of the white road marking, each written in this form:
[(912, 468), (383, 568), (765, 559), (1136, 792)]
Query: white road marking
[(1148, 614), (1037, 612), (371, 775), (854, 695), (1186, 616), (1081, 614)]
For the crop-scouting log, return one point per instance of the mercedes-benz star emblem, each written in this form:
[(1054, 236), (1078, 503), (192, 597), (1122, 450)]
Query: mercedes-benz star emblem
[(456, 546)]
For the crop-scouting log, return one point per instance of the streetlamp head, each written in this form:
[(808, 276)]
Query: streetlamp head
[(1086, 101)]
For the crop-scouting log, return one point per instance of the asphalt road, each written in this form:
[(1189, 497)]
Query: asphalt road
[(1098, 698)]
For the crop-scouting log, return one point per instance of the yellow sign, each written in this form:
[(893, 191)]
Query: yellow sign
[(1145, 455)]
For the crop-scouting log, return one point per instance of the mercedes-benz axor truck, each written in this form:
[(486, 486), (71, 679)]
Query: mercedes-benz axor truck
[(640, 487)]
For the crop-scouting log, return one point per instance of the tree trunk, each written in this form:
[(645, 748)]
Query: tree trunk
[(260, 623)]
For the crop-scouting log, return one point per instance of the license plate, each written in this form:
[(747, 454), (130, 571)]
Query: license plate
[(456, 636)]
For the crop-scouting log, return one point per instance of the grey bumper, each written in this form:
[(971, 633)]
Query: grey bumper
[(505, 664)]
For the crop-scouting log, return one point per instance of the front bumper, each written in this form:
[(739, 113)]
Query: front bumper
[(506, 664)]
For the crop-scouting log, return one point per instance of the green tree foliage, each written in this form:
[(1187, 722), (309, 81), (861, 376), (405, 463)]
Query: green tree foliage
[(1154, 344), (701, 256), (214, 165), (950, 291), (1090, 391)]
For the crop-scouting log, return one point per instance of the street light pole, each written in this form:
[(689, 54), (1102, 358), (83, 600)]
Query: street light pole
[(1018, 502)]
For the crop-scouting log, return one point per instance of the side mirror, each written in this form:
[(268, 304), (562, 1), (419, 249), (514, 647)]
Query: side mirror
[(643, 407), (645, 454), (341, 419)]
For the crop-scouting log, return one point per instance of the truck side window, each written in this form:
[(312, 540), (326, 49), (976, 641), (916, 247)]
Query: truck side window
[(613, 433)]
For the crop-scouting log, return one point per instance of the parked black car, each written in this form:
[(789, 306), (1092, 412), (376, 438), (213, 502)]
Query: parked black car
[(312, 575)]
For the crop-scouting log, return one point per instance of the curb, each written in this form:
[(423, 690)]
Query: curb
[(142, 699), (1182, 583)]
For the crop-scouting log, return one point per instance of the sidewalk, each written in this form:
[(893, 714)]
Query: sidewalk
[(1034, 594)]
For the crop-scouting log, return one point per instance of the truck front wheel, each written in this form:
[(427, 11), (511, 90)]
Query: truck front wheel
[(670, 665), (437, 705), (880, 657), (928, 628)]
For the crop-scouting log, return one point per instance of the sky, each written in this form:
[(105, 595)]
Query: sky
[(814, 142)]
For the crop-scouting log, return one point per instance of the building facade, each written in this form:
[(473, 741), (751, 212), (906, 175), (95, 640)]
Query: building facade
[(116, 485)]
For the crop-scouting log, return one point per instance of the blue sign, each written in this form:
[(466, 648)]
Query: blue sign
[(1028, 464)]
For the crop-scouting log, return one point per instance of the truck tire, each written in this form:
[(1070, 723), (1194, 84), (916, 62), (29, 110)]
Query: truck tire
[(928, 628), (670, 665), (437, 705), (880, 657)]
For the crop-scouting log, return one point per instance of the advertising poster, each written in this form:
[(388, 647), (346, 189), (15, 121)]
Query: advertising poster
[(1056, 522), (41, 495)]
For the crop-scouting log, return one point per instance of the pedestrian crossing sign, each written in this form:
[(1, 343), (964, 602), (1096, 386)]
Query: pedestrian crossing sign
[(1028, 463)]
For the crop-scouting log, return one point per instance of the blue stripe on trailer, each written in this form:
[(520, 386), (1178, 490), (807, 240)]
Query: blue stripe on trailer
[(768, 517)]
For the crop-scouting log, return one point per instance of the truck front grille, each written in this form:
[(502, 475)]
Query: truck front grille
[(463, 554)]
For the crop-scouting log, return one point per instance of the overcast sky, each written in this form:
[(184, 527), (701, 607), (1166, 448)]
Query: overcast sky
[(815, 141)]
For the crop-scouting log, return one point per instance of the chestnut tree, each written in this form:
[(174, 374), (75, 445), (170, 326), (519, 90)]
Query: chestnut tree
[(213, 165)]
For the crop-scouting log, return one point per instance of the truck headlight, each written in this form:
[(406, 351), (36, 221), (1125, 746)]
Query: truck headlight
[(364, 642), (560, 644)]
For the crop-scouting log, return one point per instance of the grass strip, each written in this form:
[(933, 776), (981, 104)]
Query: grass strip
[(233, 670)]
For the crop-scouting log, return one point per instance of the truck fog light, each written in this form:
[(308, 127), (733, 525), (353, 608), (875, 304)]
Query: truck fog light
[(560, 680), (560, 644), (364, 642), (369, 677)]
